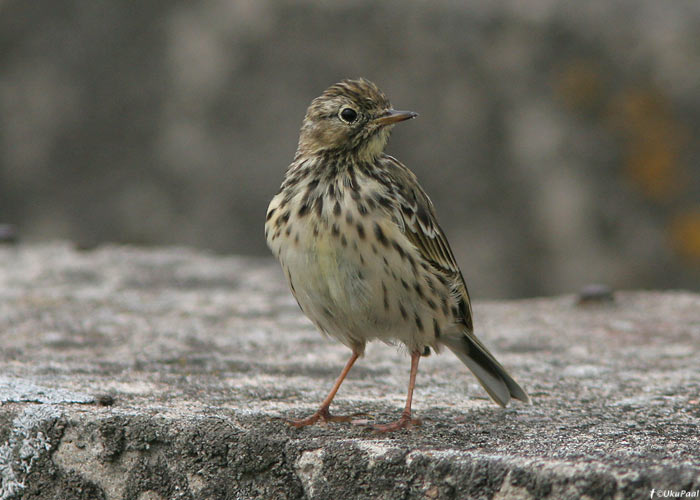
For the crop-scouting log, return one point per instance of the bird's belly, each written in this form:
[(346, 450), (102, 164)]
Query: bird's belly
[(343, 294), (330, 282), (357, 286)]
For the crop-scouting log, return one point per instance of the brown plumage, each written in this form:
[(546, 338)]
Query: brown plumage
[(361, 248)]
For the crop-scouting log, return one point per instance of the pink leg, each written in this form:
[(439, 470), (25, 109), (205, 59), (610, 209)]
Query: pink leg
[(405, 421), (323, 414)]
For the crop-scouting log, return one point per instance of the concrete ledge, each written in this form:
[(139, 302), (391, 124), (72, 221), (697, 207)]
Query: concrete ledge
[(128, 373)]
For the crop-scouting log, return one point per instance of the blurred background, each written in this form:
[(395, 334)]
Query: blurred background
[(558, 140)]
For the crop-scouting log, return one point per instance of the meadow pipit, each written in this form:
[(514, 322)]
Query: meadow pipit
[(361, 248)]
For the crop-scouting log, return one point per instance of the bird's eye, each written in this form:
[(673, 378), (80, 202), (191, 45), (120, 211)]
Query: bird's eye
[(348, 115)]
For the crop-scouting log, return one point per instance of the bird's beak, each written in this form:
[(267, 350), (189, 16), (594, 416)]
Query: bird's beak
[(393, 116)]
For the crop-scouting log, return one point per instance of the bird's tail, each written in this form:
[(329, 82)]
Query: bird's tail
[(489, 372)]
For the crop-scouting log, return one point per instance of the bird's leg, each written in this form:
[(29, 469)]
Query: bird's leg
[(405, 421), (322, 413)]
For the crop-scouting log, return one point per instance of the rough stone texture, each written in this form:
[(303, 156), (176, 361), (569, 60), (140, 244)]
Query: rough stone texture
[(129, 373)]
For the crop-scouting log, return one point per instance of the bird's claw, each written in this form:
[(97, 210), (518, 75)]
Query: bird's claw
[(324, 416), (405, 422)]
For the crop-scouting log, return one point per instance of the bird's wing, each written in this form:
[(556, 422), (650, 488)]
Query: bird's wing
[(417, 217)]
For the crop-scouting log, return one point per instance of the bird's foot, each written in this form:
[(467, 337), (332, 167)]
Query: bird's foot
[(405, 422), (322, 415)]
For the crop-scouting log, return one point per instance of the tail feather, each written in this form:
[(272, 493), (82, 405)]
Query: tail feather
[(489, 372)]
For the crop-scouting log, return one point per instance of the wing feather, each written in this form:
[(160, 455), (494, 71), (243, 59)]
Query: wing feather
[(416, 215)]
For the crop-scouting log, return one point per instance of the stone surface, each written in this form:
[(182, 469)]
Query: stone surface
[(144, 374)]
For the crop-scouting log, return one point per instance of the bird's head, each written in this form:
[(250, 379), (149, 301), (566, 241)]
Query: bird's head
[(352, 116)]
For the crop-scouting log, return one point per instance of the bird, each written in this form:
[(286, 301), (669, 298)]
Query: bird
[(358, 240)]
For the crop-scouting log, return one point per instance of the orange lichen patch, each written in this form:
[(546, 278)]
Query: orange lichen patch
[(579, 85), (685, 234), (654, 141), (652, 166)]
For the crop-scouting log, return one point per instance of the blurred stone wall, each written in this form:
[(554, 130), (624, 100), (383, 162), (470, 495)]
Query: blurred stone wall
[(558, 140)]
